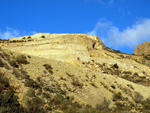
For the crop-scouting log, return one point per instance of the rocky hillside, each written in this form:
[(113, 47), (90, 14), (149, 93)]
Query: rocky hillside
[(74, 73)]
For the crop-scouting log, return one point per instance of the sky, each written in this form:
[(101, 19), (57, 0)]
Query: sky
[(120, 24)]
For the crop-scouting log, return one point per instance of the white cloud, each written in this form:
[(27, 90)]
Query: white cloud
[(129, 37), (9, 33), (12, 33), (100, 27)]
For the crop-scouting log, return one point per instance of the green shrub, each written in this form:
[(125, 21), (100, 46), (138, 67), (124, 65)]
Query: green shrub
[(47, 89), (21, 59), (146, 105), (29, 83), (24, 38), (31, 92)]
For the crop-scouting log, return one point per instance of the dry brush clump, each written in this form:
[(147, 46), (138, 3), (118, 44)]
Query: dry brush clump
[(76, 83), (8, 101), (48, 68), (104, 105), (21, 59)]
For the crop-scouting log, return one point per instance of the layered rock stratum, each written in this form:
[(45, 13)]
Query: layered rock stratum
[(82, 66)]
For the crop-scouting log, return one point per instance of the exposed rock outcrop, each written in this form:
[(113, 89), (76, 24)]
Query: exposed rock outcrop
[(142, 49)]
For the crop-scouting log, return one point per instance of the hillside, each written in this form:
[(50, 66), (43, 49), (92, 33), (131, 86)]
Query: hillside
[(75, 68)]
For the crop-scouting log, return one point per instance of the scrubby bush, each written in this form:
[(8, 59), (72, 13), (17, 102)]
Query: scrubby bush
[(6, 66), (48, 68), (76, 82), (147, 57), (31, 92), (93, 85), (9, 103), (1, 63), (138, 98), (29, 37), (16, 73), (29, 83), (13, 63), (43, 36), (32, 84), (35, 105), (103, 105), (113, 86), (117, 96), (4, 80), (46, 95), (21, 59)]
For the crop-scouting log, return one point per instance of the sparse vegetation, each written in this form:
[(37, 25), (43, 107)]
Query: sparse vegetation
[(29, 83), (76, 83), (103, 106), (1, 63), (117, 96), (48, 68), (31, 92), (8, 101), (93, 85), (138, 98), (113, 86), (16, 73), (35, 105), (29, 37), (147, 57), (21, 59), (43, 36)]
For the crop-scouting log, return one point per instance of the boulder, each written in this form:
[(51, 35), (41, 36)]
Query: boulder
[(142, 49)]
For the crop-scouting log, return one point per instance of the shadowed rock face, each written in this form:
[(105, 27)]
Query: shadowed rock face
[(142, 49)]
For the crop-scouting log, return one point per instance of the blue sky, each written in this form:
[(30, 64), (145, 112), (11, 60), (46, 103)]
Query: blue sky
[(120, 24)]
